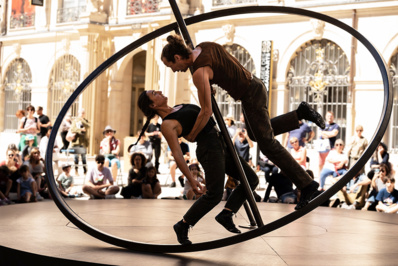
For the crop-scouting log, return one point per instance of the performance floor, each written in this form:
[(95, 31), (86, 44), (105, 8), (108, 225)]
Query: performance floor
[(40, 234)]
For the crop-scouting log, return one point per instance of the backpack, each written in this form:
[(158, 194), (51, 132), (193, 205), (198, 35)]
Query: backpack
[(26, 119)]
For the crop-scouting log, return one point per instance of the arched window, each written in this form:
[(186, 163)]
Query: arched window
[(64, 79), (394, 118), (17, 90), (319, 75), (226, 103)]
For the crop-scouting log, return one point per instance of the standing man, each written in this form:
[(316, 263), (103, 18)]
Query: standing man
[(330, 132), (45, 123), (80, 126), (212, 64), (155, 137)]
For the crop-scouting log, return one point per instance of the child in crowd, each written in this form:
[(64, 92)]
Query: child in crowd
[(27, 187), (388, 197), (30, 139), (188, 193), (150, 184), (5, 185), (65, 182)]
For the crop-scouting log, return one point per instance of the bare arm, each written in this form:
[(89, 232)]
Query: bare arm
[(202, 82), (329, 134), (169, 131)]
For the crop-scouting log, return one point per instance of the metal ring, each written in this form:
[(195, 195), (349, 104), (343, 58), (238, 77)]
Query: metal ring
[(144, 247)]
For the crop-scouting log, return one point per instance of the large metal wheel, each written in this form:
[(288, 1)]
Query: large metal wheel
[(145, 247)]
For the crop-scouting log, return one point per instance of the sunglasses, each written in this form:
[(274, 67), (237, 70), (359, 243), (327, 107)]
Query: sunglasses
[(11, 155), (109, 131), (100, 162), (30, 110), (382, 170), (338, 144)]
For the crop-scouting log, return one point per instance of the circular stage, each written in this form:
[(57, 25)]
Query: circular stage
[(39, 232)]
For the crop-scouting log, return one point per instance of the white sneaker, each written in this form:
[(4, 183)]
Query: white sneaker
[(110, 197), (39, 197)]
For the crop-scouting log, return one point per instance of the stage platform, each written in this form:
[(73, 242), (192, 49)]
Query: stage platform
[(39, 234)]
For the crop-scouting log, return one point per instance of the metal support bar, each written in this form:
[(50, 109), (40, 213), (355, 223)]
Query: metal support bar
[(223, 128)]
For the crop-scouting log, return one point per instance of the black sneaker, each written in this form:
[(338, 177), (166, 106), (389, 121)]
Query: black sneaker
[(181, 179), (225, 219), (305, 111), (173, 184), (181, 230), (306, 194)]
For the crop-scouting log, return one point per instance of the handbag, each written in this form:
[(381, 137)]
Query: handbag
[(322, 145)]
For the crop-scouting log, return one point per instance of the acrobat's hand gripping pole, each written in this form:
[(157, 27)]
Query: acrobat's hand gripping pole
[(223, 128)]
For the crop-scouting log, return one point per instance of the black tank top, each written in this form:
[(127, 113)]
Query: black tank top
[(187, 116)]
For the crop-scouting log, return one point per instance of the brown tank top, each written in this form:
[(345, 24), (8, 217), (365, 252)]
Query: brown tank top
[(228, 73)]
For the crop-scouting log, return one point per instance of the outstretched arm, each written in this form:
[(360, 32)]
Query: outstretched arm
[(201, 79), (169, 131)]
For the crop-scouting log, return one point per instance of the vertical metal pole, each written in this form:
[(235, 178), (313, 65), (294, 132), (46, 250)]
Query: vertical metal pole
[(223, 128)]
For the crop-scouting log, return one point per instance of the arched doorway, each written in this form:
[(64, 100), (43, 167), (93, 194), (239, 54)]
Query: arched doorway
[(137, 87), (18, 91), (227, 105), (64, 79), (319, 75)]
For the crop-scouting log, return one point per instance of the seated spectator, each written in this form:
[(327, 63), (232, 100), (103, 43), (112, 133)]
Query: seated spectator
[(242, 143), (335, 163), (352, 196), (100, 181), (65, 182), (28, 147), (377, 183), (283, 187), (27, 187), (37, 170), (173, 164), (269, 170), (136, 175), (5, 186), (379, 156), (43, 149), (150, 184), (13, 161), (298, 152), (110, 148), (388, 197), (188, 193), (145, 147)]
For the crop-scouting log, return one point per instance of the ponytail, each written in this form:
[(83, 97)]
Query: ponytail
[(143, 104)]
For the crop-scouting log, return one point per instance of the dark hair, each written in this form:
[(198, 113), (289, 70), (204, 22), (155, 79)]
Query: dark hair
[(12, 146), (143, 159), (100, 158), (386, 166), (390, 178), (143, 104), (30, 107), (4, 169), (23, 169), (176, 45), (194, 164), (376, 151)]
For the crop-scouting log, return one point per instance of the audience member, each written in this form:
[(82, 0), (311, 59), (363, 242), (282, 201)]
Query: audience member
[(29, 139), (66, 183), (110, 148), (329, 133), (17, 157), (377, 183), (283, 187), (299, 153), (242, 144), (43, 150), (379, 156), (269, 169), (5, 185), (155, 137), (143, 146), (44, 123), (188, 192), (65, 127), (336, 163), (357, 147), (230, 124), (27, 187), (304, 134), (136, 174), (80, 126), (37, 170), (28, 125), (352, 196), (388, 197), (20, 114), (173, 164), (100, 181), (13, 161), (150, 185)]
